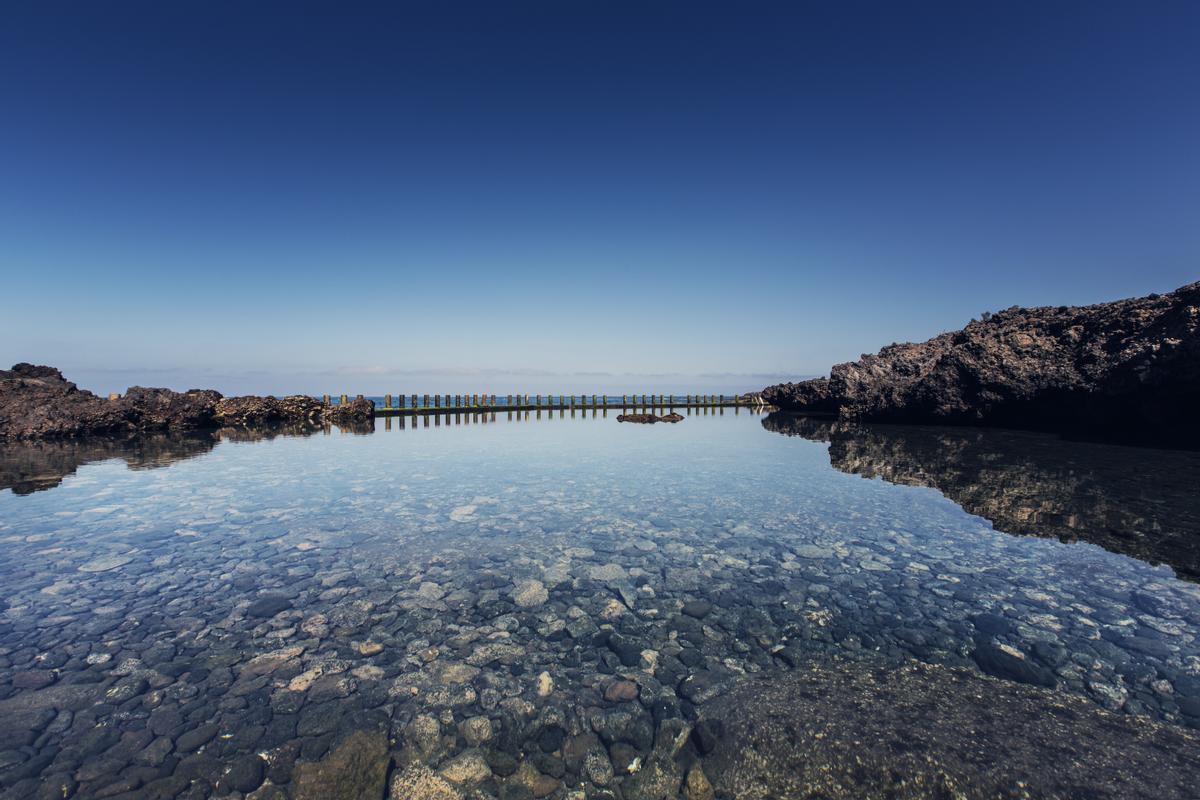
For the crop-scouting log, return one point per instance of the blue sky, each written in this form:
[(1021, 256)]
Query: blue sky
[(577, 196)]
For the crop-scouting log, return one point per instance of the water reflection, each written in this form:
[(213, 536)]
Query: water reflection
[(1139, 502), (28, 467)]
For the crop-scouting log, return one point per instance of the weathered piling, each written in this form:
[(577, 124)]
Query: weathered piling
[(489, 404)]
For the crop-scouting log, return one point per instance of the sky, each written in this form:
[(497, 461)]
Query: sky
[(574, 196)]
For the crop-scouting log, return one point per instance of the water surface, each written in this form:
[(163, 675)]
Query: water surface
[(178, 605)]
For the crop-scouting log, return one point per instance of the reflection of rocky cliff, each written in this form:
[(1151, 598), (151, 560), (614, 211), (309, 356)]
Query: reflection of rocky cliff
[(27, 467), (1142, 503)]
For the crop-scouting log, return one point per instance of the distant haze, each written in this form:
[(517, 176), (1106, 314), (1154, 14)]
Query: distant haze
[(548, 196)]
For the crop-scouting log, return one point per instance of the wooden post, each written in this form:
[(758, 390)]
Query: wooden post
[(387, 401), (539, 400), (114, 396), (359, 397), (414, 402), (325, 399), (345, 400)]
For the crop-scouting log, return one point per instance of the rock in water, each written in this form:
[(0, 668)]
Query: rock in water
[(1130, 368), (356, 770), (845, 730), (649, 418)]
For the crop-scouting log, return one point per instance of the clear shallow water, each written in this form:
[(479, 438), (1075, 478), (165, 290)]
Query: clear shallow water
[(254, 601)]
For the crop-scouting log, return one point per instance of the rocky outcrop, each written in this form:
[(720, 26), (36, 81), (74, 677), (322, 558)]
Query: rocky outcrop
[(37, 402), (649, 419), (250, 411), (356, 411), (1135, 501), (916, 730), (1128, 369)]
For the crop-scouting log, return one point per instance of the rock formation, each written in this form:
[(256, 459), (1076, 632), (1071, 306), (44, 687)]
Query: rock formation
[(649, 418), (37, 402), (1127, 369), (1138, 502), (835, 730)]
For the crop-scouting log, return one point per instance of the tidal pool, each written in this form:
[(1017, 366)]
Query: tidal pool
[(524, 606)]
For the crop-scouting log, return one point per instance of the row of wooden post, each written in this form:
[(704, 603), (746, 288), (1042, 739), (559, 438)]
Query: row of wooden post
[(484, 416), (564, 401)]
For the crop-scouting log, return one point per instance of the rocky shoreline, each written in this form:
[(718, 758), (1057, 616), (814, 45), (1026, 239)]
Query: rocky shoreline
[(1126, 370), (37, 402)]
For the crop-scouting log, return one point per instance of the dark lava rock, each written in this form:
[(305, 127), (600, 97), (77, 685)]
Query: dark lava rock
[(705, 685), (355, 770), (195, 738), (1129, 368), (245, 774), (699, 609), (995, 661), (37, 402), (268, 606), (707, 734), (628, 650), (649, 418), (841, 730), (992, 624)]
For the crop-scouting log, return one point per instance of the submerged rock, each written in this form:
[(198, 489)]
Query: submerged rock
[(356, 770), (1128, 368)]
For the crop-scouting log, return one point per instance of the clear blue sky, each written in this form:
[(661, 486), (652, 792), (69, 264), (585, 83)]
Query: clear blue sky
[(559, 196)]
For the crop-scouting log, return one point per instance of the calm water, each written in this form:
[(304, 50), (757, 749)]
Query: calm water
[(193, 616)]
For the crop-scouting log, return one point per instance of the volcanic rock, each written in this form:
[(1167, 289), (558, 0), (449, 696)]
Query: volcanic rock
[(649, 418), (37, 402), (1129, 368)]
